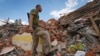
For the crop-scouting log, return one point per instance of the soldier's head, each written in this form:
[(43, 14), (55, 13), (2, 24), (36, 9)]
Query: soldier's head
[(38, 8)]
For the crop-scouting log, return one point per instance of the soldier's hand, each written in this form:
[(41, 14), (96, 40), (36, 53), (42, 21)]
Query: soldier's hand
[(30, 29)]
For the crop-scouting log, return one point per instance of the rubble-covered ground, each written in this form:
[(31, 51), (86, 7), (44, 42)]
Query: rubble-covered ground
[(66, 40), (77, 34)]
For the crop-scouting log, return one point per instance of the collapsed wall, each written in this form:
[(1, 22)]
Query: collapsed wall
[(86, 9)]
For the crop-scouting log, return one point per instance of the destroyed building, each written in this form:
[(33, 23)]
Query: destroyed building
[(90, 10)]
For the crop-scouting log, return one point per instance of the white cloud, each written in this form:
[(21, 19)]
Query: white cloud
[(57, 14), (71, 3), (90, 0), (25, 23), (11, 21), (69, 8), (2, 22)]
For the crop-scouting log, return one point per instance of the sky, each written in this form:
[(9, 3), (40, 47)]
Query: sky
[(15, 9)]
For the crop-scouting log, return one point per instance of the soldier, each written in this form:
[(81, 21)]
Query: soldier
[(38, 31)]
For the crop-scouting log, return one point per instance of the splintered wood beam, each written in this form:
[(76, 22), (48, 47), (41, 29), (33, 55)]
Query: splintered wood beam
[(95, 26)]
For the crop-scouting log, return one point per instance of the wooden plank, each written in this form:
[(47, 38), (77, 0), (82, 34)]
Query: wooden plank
[(95, 26)]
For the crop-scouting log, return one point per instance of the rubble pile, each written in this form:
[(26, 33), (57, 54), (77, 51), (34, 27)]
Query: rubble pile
[(75, 34), (75, 39), (82, 11), (7, 31), (7, 49)]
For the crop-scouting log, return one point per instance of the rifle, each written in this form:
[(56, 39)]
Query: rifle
[(28, 16)]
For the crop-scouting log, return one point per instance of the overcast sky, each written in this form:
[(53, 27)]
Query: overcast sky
[(15, 9)]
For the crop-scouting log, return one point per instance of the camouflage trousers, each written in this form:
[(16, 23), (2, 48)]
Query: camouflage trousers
[(46, 43)]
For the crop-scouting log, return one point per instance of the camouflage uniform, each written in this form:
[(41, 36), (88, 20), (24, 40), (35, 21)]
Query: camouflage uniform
[(39, 32), (44, 35)]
